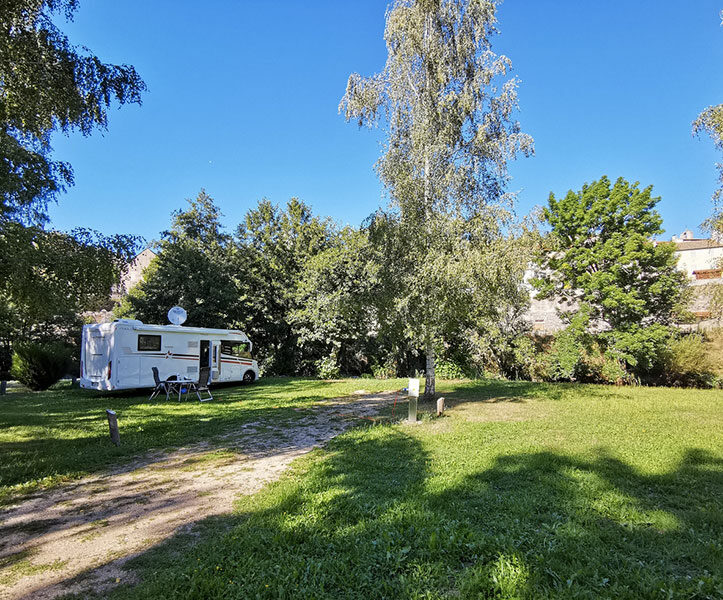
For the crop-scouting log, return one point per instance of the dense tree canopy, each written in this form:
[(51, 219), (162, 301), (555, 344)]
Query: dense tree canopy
[(47, 84), (602, 254), (601, 261), (192, 270), (447, 106), (272, 247), (49, 278)]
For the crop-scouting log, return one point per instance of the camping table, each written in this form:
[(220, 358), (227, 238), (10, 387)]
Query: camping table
[(177, 384)]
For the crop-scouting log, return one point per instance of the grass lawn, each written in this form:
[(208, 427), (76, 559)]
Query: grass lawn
[(50, 437), (520, 491)]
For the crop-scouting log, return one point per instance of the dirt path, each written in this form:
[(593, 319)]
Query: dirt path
[(77, 538)]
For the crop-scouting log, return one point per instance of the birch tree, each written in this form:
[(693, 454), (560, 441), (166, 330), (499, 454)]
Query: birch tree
[(446, 103), (710, 122)]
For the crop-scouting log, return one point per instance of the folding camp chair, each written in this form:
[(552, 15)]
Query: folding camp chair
[(161, 386), (201, 385)]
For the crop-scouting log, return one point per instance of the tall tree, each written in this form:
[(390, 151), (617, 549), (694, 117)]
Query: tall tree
[(336, 317), (271, 250), (49, 278), (193, 270), (447, 107), (602, 255), (710, 122), (47, 84)]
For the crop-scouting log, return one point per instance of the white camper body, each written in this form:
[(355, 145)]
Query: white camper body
[(121, 355)]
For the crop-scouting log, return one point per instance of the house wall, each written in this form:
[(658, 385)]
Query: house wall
[(699, 259)]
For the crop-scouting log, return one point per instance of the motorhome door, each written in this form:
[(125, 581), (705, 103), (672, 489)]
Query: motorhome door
[(205, 355)]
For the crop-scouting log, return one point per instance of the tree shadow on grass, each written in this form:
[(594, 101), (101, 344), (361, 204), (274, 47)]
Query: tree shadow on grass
[(376, 518)]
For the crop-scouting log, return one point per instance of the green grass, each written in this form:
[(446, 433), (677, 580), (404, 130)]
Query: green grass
[(520, 491), (50, 437)]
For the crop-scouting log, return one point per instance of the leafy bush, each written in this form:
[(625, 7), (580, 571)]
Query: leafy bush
[(612, 370), (566, 358), (38, 366), (447, 369), (386, 371), (642, 349), (327, 367), (689, 363)]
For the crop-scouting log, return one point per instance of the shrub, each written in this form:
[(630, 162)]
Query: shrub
[(386, 371), (688, 362), (447, 369), (642, 349), (38, 366), (327, 367), (613, 370), (566, 358)]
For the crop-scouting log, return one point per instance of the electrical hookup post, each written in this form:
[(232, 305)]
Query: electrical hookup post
[(413, 395)]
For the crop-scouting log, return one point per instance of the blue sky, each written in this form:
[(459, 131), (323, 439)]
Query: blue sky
[(243, 99)]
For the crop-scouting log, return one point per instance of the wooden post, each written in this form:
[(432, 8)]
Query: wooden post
[(440, 407), (113, 426), (3, 388), (413, 395)]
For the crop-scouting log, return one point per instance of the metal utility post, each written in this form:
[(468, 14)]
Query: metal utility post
[(413, 395)]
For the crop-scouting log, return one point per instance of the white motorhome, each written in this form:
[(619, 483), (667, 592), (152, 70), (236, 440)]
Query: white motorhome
[(121, 355)]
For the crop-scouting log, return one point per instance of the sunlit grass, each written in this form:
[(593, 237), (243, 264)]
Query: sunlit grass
[(519, 491), (50, 437)]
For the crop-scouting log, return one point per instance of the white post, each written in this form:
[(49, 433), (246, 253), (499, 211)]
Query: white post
[(413, 395), (113, 426)]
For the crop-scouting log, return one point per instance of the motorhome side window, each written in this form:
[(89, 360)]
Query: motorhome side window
[(235, 349), (149, 343)]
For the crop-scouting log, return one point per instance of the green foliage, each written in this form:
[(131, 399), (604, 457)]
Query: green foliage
[(47, 84), (449, 134), (710, 122), (689, 362), (641, 349), (336, 302), (272, 248), (38, 366), (446, 369), (48, 278), (328, 367), (601, 254), (387, 370), (566, 359), (192, 269)]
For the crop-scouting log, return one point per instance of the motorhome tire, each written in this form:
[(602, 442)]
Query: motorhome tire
[(249, 377)]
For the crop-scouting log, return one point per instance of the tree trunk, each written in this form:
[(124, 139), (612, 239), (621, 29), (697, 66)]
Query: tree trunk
[(429, 380)]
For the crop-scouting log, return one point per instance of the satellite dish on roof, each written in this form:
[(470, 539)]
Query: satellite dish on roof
[(177, 315)]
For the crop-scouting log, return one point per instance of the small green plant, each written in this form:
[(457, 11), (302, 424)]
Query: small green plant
[(446, 369), (327, 367), (565, 360), (38, 366)]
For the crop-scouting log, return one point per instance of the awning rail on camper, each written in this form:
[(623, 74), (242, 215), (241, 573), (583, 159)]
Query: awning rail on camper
[(182, 329)]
